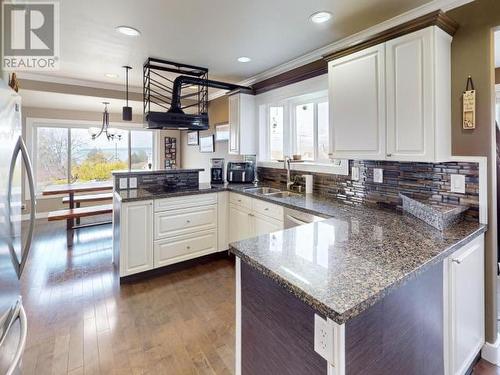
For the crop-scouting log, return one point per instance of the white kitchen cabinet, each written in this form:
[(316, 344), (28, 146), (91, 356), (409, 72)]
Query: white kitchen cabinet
[(418, 105), (136, 237), (357, 105), (242, 124), (392, 101), (181, 248), (240, 225), (250, 217), (464, 306)]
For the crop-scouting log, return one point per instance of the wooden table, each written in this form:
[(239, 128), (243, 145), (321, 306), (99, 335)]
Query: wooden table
[(71, 189)]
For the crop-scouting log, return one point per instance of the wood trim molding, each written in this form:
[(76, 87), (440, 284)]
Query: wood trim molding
[(497, 76), (298, 74), (437, 18)]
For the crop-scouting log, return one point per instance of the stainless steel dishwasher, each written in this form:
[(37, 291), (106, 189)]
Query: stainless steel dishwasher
[(293, 218)]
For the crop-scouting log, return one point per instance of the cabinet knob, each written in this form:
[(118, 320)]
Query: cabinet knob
[(457, 261), (266, 209), (388, 155), (188, 221), (188, 247)]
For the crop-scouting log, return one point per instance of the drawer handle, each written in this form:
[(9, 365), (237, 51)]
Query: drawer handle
[(239, 200), (188, 221), (266, 209), (188, 247), (457, 261)]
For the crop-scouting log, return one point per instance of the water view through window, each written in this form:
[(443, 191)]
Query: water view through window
[(65, 155)]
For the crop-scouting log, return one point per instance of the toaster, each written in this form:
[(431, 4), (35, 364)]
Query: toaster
[(240, 171)]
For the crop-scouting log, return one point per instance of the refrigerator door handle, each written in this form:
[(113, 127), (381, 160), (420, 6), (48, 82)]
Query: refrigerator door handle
[(17, 313), (20, 147)]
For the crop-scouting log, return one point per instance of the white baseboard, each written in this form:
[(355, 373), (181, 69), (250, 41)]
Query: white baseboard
[(491, 352)]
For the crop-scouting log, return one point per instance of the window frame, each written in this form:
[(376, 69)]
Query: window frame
[(34, 123), (290, 125)]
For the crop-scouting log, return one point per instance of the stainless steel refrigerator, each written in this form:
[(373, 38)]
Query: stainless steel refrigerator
[(15, 234)]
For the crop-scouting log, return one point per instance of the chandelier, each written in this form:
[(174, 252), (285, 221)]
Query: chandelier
[(111, 133)]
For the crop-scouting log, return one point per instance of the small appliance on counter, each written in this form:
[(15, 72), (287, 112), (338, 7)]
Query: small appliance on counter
[(217, 171), (240, 172)]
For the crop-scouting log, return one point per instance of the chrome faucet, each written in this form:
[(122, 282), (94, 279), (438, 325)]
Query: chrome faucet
[(289, 182)]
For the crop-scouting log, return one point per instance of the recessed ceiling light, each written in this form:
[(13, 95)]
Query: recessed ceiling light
[(320, 17), (127, 30), (111, 75), (244, 59)]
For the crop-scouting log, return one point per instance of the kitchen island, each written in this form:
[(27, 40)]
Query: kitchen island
[(393, 291)]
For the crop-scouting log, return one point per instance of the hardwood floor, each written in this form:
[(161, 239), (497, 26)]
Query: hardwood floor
[(81, 321)]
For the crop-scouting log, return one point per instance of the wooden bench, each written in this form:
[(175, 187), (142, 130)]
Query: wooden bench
[(76, 213), (89, 198)]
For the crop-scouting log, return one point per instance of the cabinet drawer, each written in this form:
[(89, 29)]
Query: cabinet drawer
[(178, 249), (240, 200), (183, 221), (268, 209), (185, 201)]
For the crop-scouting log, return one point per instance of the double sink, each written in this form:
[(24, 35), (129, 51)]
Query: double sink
[(272, 192)]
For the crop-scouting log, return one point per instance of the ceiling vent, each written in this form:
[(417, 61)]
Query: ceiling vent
[(176, 95)]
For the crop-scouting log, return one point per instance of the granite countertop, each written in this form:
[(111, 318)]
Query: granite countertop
[(128, 172), (342, 266), (159, 193)]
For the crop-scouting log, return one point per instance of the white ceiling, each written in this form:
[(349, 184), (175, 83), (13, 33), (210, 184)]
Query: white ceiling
[(206, 33)]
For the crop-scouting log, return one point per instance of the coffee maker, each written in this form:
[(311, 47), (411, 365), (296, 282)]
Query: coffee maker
[(217, 171)]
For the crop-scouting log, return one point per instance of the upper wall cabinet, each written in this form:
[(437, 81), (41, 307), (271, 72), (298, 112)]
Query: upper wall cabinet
[(242, 124), (392, 101), (357, 104)]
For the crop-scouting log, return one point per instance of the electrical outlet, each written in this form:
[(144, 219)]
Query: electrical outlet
[(355, 173), (378, 175), (458, 183), (123, 183), (132, 183), (323, 338)]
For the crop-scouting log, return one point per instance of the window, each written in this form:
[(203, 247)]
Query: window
[(276, 132), (69, 155), (299, 127)]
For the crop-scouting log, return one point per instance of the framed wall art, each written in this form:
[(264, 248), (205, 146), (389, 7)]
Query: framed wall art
[(193, 138)]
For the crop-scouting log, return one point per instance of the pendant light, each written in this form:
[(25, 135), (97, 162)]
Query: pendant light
[(111, 133), (127, 111)]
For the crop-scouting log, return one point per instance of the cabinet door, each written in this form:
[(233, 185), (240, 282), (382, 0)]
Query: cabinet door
[(136, 237), (466, 305), (234, 124), (264, 224), (410, 97), (240, 225), (357, 105)]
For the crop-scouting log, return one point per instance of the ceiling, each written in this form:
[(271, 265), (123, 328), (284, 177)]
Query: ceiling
[(212, 34)]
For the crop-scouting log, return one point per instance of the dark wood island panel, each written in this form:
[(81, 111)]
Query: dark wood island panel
[(401, 334), (277, 329)]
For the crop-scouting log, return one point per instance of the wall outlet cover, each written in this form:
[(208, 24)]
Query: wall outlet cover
[(323, 338), (457, 183), (132, 183), (378, 175), (355, 173), (123, 183)]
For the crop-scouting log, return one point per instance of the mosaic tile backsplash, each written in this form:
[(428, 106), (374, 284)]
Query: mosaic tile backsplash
[(171, 179), (424, 181)]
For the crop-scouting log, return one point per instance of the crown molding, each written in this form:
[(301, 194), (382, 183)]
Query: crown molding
[(435, 5)]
